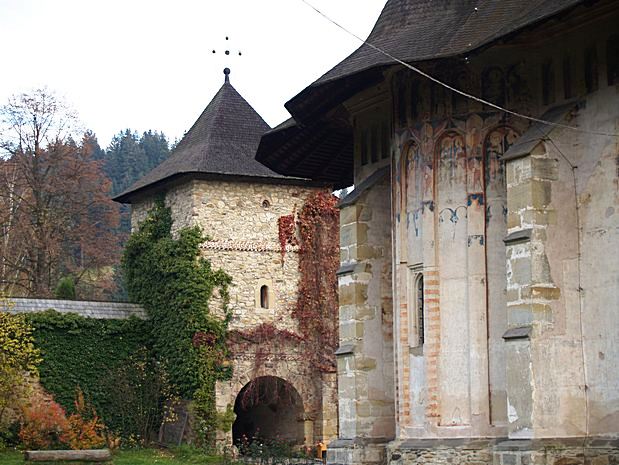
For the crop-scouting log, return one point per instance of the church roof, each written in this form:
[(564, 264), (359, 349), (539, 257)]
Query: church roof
[(221, 143), (413, 31), (421, 30)]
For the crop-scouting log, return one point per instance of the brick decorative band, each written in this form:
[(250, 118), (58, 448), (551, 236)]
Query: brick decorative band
[(247, 246)]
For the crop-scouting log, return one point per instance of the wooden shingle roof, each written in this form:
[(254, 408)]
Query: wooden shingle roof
[(221, 143), (422, 30), (314, 144)]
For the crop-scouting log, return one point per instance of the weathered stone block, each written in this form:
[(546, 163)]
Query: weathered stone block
[(366, 252), (348, 235), (519, 197), (540, 193), (349, 215), (545, 168), (513, 220), (365, 363), (520, 271), (347, 294), (547, 293)]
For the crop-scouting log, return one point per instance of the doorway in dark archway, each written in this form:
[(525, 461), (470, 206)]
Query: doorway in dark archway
[(268, 408)]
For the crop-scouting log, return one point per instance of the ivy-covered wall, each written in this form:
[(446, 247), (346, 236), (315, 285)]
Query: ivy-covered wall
[(85, 352)]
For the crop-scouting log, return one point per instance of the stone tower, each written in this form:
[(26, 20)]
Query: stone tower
[(212, 179)]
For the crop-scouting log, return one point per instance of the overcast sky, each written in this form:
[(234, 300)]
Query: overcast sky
[(148, 64)]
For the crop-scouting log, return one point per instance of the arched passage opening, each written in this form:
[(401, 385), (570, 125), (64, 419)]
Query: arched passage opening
[(268, 408)]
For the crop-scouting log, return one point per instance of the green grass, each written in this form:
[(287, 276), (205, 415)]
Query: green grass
[(177, 456)]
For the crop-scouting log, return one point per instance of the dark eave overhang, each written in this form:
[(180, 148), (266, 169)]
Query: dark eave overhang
[(321, 147), (323, 150)]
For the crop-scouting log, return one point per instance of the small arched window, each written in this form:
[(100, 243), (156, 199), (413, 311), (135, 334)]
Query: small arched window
[(264, 296)]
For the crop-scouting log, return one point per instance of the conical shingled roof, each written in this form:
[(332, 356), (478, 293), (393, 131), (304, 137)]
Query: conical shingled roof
[(222, 142)]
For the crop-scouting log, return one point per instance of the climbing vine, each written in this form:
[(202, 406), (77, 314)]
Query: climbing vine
[(175, 284), (319, 258), (287, 232)]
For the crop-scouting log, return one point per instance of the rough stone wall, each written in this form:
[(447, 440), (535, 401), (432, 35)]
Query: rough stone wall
[(178, 198), (251, 269), (439, 452), (240, 220), (365, 356), (595, 451), (236, 210)]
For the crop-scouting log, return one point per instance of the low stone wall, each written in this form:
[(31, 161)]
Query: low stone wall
[(356, 452), (85, 308)]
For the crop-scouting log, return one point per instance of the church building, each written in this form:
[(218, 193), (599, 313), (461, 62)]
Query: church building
[(479, 278)]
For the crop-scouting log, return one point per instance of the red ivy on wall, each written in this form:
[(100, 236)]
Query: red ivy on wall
[(319, 260), (287, 232)]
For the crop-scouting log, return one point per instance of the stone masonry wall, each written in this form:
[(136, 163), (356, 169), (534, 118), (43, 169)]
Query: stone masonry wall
[(177, 198)]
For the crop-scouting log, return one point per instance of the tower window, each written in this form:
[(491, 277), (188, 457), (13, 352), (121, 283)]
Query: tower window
[(264, 296)]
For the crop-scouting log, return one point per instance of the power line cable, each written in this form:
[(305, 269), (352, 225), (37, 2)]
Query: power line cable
[(453, 89)]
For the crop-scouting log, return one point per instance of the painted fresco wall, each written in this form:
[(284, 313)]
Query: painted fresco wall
[(451, 218)]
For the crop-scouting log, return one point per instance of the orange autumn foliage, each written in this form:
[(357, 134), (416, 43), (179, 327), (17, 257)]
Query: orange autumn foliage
[(44, 423), (85, 430), (46, 426)]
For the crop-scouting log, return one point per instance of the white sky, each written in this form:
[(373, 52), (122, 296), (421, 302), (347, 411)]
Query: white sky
[(148, 64)]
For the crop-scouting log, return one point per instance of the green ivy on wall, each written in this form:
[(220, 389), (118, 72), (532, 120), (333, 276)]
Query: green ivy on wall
[(169, 278), (85, 352)]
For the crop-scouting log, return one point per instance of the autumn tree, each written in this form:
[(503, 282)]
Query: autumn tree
[(56, 218)]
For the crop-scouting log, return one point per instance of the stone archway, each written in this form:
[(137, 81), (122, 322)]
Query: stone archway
[(268, 408)]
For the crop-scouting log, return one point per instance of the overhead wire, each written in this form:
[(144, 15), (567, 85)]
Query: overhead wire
[(453, 89)]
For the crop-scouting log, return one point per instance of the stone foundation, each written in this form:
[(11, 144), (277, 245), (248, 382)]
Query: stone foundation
[(356, 452), (440, 451), (568, 451)]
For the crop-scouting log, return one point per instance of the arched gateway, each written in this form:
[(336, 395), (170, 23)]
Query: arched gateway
[(268, 408)]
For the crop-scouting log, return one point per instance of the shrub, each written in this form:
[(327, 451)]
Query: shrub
[(44, 423), (18, 361), (85, 429), (65, 289)]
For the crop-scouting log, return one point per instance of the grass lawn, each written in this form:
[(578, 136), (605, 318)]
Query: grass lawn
[(181, 456)]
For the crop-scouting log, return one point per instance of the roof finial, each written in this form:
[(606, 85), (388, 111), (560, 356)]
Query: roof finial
[(227, 53)]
